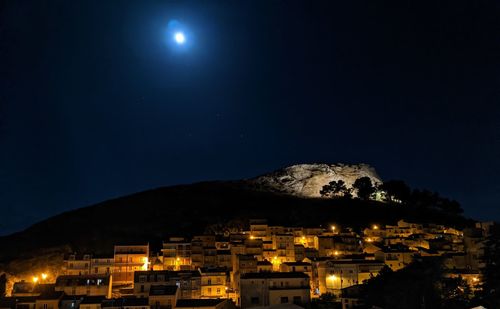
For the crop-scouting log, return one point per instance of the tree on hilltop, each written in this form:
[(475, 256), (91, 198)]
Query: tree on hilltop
[(364, 187), (396, 191), (429, 199), (335, 189)]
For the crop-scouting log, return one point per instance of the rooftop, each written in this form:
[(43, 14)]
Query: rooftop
[(168, 274), (82, 280), (198, 302), (274, 275), (163, 290), (125, 301), (93, 300), (297, 263), (50, 295), (208, 270)]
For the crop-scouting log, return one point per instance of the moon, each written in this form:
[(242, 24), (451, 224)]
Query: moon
[(179, 38)]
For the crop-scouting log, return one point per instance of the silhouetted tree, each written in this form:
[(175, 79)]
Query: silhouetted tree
[(364, 187), (428, 199), (450, 206), (456, 293), (413, 287), (335, 189), (328, 297), (423, 198), (325, 301), (396, 191)]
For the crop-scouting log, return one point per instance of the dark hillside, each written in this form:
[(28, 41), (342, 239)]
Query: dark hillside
[(189, 209)]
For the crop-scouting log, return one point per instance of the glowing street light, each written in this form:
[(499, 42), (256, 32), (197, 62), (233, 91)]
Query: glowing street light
[(44, 276), (375, 227), (35, 279), (333, 228)]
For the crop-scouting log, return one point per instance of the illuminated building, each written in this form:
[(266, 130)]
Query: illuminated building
[(49, 300), (302, 267), (213, 282), (189, 282), (396, 257), (273, 288), (77, 264), (163, 296), (127, 260), (258, 228), (176, 254), (332, 275), (89, 285)]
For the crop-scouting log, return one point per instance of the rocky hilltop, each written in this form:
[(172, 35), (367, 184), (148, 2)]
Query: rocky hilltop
[(306, 180)]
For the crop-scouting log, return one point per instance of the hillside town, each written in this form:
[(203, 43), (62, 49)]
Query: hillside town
[(261, 266)]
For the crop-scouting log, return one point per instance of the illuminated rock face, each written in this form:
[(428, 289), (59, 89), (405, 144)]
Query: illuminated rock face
[(306, 180)]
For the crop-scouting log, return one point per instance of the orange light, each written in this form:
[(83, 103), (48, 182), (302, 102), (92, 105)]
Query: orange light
[(145, 265), (35, 279), (44, 276)]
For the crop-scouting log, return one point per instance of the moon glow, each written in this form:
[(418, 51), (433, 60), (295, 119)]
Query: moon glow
[(179, 38)]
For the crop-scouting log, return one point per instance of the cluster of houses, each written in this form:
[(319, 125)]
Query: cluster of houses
[(260, 267)]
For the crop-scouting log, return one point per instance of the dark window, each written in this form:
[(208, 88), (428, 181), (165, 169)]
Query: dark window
[(142, 288), (254, 300), (284, 300), (297, 299)]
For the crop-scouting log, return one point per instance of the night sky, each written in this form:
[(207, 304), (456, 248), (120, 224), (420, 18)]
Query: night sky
[(96, 100)]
